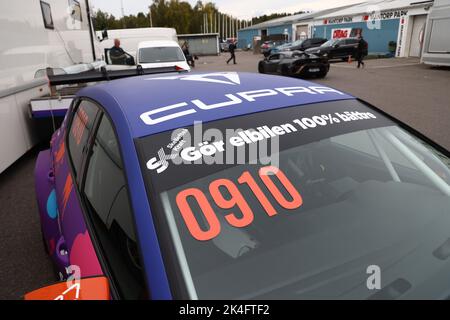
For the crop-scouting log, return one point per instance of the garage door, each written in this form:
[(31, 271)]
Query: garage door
[(417, 35)]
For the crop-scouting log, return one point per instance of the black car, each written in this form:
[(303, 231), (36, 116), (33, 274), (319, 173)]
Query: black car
[(336, 49), (302, 45), (295, 64), (298, 45)]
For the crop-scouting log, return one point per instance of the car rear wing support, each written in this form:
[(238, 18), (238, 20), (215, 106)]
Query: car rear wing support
[(59, 100), (104, 75)]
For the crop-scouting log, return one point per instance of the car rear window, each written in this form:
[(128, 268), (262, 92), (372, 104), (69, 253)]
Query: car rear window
[(299, 203)]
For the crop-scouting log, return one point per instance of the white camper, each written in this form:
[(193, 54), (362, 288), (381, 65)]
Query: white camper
[(436, 49), (36, 35)]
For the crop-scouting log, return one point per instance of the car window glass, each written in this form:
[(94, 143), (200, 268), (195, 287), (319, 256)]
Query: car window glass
[(160, 54), (118, 58), (80, 130), (75, 10), (365, 142), (106, 192), (361, 185)]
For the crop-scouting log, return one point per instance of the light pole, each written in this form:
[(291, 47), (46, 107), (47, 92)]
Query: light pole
[(150, 16), (226, 26), (123, 13)]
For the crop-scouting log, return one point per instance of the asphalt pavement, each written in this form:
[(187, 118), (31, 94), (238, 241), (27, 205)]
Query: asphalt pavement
[(24, 266), (414, 93)]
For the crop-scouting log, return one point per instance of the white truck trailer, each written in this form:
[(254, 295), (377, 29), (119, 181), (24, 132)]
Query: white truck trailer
[(37, 35), (130, 38), (436, 49)]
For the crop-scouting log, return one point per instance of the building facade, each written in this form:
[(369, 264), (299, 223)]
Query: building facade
[(290, 28), (391, 27)]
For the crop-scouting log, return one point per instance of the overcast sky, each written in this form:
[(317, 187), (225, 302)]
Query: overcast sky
[(242, 9)]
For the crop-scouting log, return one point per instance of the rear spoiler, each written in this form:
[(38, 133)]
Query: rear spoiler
[(59, 100), (104, 75)]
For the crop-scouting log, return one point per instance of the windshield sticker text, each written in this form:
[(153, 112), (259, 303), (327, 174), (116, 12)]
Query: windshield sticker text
[(211, 147), (227, 195)]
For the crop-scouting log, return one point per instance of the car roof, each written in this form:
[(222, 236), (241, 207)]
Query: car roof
[(166, 94)]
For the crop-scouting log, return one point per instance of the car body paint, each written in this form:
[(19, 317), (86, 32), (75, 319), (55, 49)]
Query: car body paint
[(62, 233), (124, 101), (145, 93)]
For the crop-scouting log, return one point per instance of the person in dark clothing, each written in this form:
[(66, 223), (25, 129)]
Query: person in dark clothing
[(361, 51), (231, 48), (117, 54), (187, 54)]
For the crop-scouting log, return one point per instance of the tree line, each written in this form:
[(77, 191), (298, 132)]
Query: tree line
[(186, 19)]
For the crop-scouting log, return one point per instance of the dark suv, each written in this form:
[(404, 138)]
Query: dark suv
[(336, 48)]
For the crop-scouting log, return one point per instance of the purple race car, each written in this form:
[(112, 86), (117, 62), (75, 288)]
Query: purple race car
[(239, 186)]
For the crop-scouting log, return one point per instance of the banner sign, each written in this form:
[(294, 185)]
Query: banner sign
[(394, 14), (341, 33), (338, 20)]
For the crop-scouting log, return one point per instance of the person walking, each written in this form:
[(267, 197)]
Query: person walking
[(232, 48), (361, 51), (187, 54)]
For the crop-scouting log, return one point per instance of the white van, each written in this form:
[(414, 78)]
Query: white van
[(164, 53)]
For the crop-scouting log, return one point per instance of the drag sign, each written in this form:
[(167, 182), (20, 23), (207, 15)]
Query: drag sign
[(341, 33)]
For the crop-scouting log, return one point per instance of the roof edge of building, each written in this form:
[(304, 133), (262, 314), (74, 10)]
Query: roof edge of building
[(296, 18)]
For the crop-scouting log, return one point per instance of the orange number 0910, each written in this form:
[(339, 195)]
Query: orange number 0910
[(235, 200)]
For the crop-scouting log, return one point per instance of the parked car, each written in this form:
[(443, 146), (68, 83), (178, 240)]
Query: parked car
[(337, 48), (278, 48), (134, 198), (300, 45), (267, 46), (224, 47), (295, 64), (226, 43)]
